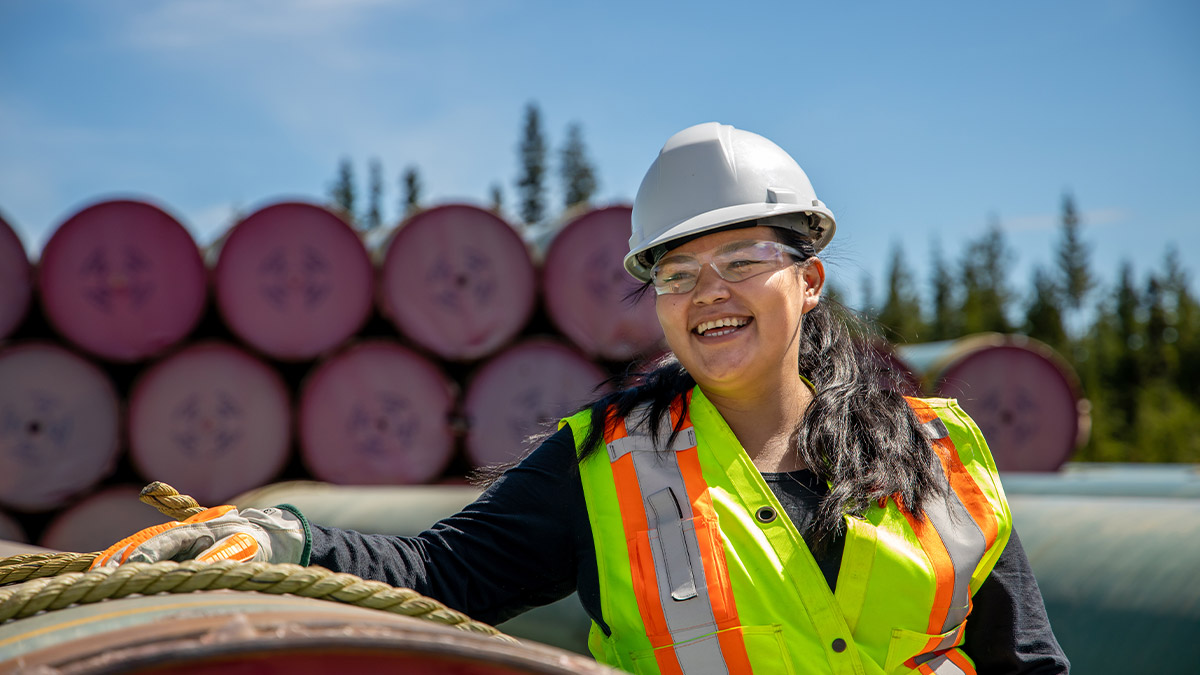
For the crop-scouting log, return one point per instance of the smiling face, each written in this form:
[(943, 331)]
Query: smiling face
[(737, 337)]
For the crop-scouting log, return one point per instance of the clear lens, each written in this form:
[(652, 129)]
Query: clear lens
[(736, 262)]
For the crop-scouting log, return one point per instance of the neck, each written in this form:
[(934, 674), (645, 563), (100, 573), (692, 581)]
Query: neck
[(763, 417)]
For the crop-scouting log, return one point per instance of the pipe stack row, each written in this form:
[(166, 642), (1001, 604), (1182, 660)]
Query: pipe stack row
[(298, 347)]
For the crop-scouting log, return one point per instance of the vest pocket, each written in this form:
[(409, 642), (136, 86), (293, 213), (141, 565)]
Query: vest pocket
[(764, 643), (909, 644), (669, 571)]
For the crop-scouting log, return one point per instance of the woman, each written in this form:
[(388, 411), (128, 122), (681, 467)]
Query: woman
[(731, 512)]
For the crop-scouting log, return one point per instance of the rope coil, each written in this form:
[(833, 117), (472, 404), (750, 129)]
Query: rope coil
[(50, 581)]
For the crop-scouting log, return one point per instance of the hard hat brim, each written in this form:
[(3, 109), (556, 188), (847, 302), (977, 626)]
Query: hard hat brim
[(730, 215)]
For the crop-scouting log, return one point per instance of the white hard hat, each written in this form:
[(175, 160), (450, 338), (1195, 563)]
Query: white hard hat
[(712, 175)]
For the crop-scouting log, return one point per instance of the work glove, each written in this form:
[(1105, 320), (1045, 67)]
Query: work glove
[(275, 535)]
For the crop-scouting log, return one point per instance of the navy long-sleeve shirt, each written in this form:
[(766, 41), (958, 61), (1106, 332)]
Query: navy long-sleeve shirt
[(527, 542)]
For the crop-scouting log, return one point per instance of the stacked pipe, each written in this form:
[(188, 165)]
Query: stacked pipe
[(292, 349)]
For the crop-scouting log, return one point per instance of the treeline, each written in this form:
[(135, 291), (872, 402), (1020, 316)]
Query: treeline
[(1135, 345), (578, 180)]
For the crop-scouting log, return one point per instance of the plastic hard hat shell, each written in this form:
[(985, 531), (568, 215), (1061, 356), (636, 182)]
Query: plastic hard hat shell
[(712, 175)]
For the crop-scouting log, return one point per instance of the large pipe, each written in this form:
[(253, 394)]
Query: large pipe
[(218, 632), (1119, 574), (1120, 577), (1024, 396), (406, 511)]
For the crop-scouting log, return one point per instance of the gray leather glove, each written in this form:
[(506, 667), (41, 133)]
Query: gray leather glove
[(278, 535)]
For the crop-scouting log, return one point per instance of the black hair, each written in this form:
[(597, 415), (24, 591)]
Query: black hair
[(857, 434)]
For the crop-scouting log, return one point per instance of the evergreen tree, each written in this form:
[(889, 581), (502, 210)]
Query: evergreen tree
[(373, 218), (497, 198), (945, 321), (867, 308), (1043, 319), (341, 192), (578, 174), (1125, 375), (1075, 276), (531, 182), (1157, 361), (1073, 254), (1183, 329), (900, 317), (985, 266), (410, 184)]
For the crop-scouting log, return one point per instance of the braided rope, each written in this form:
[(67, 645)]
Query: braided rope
[(169, 502), (50, 581), (18, 568), (64, 590)]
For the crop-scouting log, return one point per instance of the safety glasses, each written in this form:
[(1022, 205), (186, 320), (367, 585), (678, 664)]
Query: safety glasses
[(678, 272)]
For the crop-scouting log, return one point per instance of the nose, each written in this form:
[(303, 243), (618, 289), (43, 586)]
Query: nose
[(710, 287)]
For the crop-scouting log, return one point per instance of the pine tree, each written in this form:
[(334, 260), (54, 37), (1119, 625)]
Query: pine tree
[(900, 317), (410, 184), (341, 192), (1183, 330), (1157, 362), (867, 308), (578, 174), (531, 182), (497, 198), (373, 218), (1075, 279), (1125, 375), (986, 296), (1043, 319), (945, 322)]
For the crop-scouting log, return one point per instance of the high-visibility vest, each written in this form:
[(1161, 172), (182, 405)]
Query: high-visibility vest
[(701, 572)]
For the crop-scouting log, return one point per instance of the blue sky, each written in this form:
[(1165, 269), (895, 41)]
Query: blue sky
[(916, 121)]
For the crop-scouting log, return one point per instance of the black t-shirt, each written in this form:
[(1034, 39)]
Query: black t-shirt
[(527, 542)]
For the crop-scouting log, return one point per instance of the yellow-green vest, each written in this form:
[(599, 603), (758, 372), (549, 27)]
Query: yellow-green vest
[(700, 571)]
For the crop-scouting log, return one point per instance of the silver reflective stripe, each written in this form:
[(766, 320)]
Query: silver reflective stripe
[(963, 539), (623, 446), (678, 566), (674, 549), (942, 665), (701, 656), (935, 429), (964, 543)]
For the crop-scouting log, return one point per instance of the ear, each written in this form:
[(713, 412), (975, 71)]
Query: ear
[(814, 283)]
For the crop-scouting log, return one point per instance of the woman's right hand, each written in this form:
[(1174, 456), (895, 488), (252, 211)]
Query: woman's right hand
[(219, 533)]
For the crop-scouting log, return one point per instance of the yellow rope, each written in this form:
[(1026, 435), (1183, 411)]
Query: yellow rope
[(169, 502), (18, 568), (105, 583), (49, 581)]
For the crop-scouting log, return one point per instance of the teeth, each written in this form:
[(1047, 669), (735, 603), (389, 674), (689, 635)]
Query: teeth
[(734, 322)]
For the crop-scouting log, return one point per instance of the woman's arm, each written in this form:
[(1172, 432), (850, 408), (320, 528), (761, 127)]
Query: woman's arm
[(512, 549), (1008, 630)]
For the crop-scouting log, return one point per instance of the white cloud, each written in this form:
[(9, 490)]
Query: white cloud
[(196, 24)]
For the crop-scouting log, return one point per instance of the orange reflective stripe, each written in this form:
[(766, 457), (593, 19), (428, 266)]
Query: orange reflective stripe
[(968, 490), (644, 577), (958, 658), (961, 480), (645, 581), (943, 570), (733, 646), (667, 662)]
